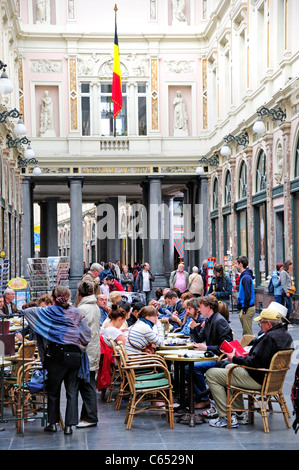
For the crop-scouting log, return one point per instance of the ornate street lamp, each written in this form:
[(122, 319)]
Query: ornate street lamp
[(6, 86), (241, 140), (276, 115)]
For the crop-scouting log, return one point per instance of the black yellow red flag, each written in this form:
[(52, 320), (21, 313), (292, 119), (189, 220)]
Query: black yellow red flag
[(116, 79)]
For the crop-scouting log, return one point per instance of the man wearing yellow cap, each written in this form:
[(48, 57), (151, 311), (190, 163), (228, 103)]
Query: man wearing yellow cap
[(274, 339)]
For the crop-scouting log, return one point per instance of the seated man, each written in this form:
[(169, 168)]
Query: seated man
[(177, 311), (136, 307), (209, 336), (274, 339), (103, 306), (9, 307), (192, 317)]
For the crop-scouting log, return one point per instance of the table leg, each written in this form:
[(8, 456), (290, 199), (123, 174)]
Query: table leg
[(191, 417)]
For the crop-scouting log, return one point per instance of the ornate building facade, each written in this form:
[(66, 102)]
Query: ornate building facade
[(195, 75)]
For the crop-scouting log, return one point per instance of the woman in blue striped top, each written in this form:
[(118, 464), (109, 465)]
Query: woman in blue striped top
[(143, 332)]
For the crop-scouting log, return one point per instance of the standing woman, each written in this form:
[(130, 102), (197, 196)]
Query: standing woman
[(221, 285), (287, 285), (275, 276), (62, 338), (88, 390), (127, 279)]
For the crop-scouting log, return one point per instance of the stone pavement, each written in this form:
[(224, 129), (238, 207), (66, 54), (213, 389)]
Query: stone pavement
[(150, 432)]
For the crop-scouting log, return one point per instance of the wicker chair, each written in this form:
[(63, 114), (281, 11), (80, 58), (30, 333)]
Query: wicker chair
[(271, 391), (25, 354), (138, 359), (28, 402), (246, 339), (145, 392)]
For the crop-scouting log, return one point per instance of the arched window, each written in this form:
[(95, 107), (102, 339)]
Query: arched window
[(242, 193), (1, 173), (227, 189), (214, 220), (215, 195), (261, 181), (296, 175)]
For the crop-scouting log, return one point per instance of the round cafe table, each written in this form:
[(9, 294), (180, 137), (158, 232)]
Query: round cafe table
[(182, 361), (170, 347)]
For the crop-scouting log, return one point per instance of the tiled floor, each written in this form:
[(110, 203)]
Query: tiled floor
[(151, 432)]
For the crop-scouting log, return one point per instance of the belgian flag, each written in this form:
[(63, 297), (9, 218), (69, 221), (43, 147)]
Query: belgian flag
[(117, 97)]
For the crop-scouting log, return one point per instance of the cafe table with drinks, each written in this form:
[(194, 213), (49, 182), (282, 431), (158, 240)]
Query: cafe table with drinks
[(178, 350)]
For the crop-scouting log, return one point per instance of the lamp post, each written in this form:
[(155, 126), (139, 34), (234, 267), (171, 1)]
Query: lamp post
[(6, 86), (24, 162), (276, 115), (212, 161), (241, 140), (20, 128)]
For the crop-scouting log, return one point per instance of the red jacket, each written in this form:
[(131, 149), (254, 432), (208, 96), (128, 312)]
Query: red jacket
[(104, 374), (116, 286)]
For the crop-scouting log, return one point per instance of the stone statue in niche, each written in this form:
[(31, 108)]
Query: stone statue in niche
[(47, 116), (180, 118), (279, 165), (178, 12), (42, 11)]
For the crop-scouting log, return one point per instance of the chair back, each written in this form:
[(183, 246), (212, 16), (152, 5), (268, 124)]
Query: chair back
[(246, 339), (278, 368), (129, 373), (27, 350)]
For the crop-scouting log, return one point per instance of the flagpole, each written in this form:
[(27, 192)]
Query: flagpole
[(114, 119)]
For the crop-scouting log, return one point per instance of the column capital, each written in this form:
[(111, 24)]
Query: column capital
[(73, 179), (155, 177)]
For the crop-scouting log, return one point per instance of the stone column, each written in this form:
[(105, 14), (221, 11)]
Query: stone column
[(76, 249), (113, 243), (203, 200), (287, 156), (187, 228), (101, 241), (48, 228), (145, 201), (155, 231), (169, 240), (28, 241), (43, 229), (269, 266)]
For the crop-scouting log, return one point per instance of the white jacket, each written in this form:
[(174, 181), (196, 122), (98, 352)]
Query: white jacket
[(91, 312), (195, 284)]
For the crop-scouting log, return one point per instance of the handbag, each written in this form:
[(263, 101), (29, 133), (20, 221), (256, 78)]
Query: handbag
[(36, 383), (292, 290), (148, 349)]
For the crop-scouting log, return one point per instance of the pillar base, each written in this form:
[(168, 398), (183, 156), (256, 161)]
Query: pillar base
[(160, 281), (73, 285)]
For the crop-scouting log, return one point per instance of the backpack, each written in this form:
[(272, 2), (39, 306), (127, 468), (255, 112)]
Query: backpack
[(295, 400), (271, 287)]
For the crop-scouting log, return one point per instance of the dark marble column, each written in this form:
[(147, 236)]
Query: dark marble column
[(76, 249), (155, 231), (203, 200), (48, 227), (113, 244), (169, 240), (28, 237)]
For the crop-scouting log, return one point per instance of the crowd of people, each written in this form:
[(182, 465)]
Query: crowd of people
[(74, 339)]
